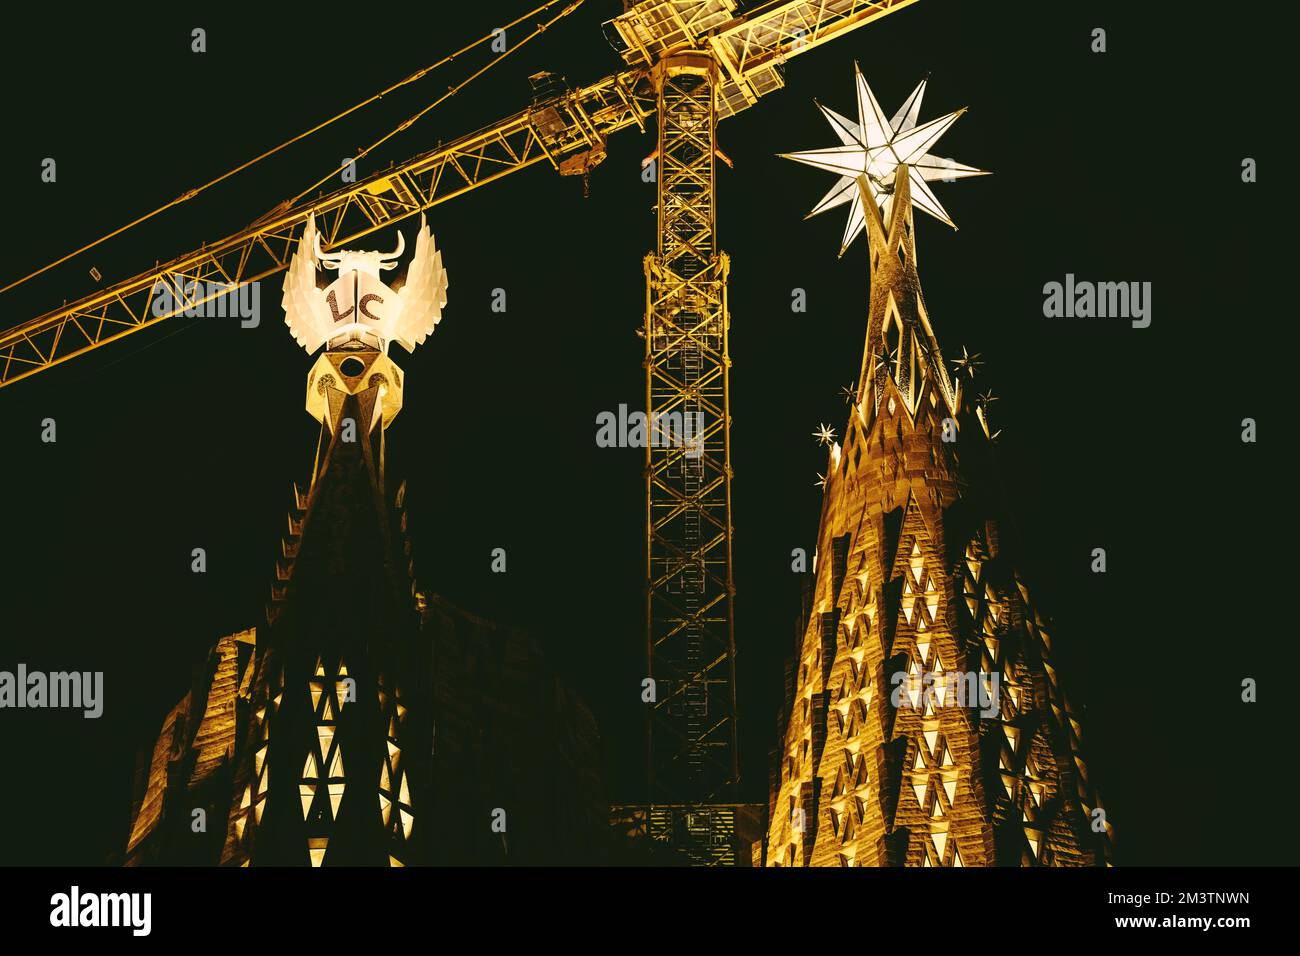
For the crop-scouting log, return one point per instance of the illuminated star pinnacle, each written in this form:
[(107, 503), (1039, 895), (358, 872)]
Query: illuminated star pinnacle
[(824, 434), (821, 481), (873, 148), (849, 392)]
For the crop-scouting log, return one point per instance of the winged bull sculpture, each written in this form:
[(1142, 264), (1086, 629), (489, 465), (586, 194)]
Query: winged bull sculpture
[(359, 306)]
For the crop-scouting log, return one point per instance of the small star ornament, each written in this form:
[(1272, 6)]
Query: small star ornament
[(968, 364), (885, 360)]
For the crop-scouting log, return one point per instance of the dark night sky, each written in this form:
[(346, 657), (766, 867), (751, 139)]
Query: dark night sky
[(1122, 166)]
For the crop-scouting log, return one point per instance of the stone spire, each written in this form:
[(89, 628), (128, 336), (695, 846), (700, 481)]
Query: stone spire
[(924, 723)]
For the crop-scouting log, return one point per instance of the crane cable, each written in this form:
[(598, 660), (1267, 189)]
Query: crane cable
[(451, 91), (419, 74)]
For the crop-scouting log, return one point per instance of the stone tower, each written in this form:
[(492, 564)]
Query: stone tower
[(924, 724), (367, 721)]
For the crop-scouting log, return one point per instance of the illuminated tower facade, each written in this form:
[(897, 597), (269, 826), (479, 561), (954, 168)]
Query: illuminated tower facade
[(366, 721), (924, 723)]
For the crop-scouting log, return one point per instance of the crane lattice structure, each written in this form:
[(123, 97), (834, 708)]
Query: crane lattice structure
[(690, 64)]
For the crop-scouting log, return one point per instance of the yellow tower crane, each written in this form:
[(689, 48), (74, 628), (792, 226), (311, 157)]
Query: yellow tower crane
[(690, 64)]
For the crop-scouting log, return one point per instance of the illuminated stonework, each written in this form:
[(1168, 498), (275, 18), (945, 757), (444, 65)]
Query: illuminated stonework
[(913, 590), (367, 722), (395, 804)]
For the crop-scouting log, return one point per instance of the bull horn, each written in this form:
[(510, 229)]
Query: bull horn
[(325, 257)]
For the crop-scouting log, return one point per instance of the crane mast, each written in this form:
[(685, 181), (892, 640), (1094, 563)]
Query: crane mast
[(704, 63), (689, 589)]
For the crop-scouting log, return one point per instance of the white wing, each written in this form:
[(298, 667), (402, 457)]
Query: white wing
[(305, 310), (422, 295)]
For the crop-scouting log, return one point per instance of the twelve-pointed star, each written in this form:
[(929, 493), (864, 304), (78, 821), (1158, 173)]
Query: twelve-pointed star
[(874, 148), (824, 434)]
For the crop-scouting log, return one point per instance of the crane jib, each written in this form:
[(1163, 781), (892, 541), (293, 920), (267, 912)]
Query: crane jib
[(750, 50)]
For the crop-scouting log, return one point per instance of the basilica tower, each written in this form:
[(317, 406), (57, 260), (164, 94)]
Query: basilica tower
[(367, 721), (924, 723)]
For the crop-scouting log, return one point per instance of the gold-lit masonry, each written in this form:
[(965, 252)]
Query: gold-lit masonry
[(924, 723)]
